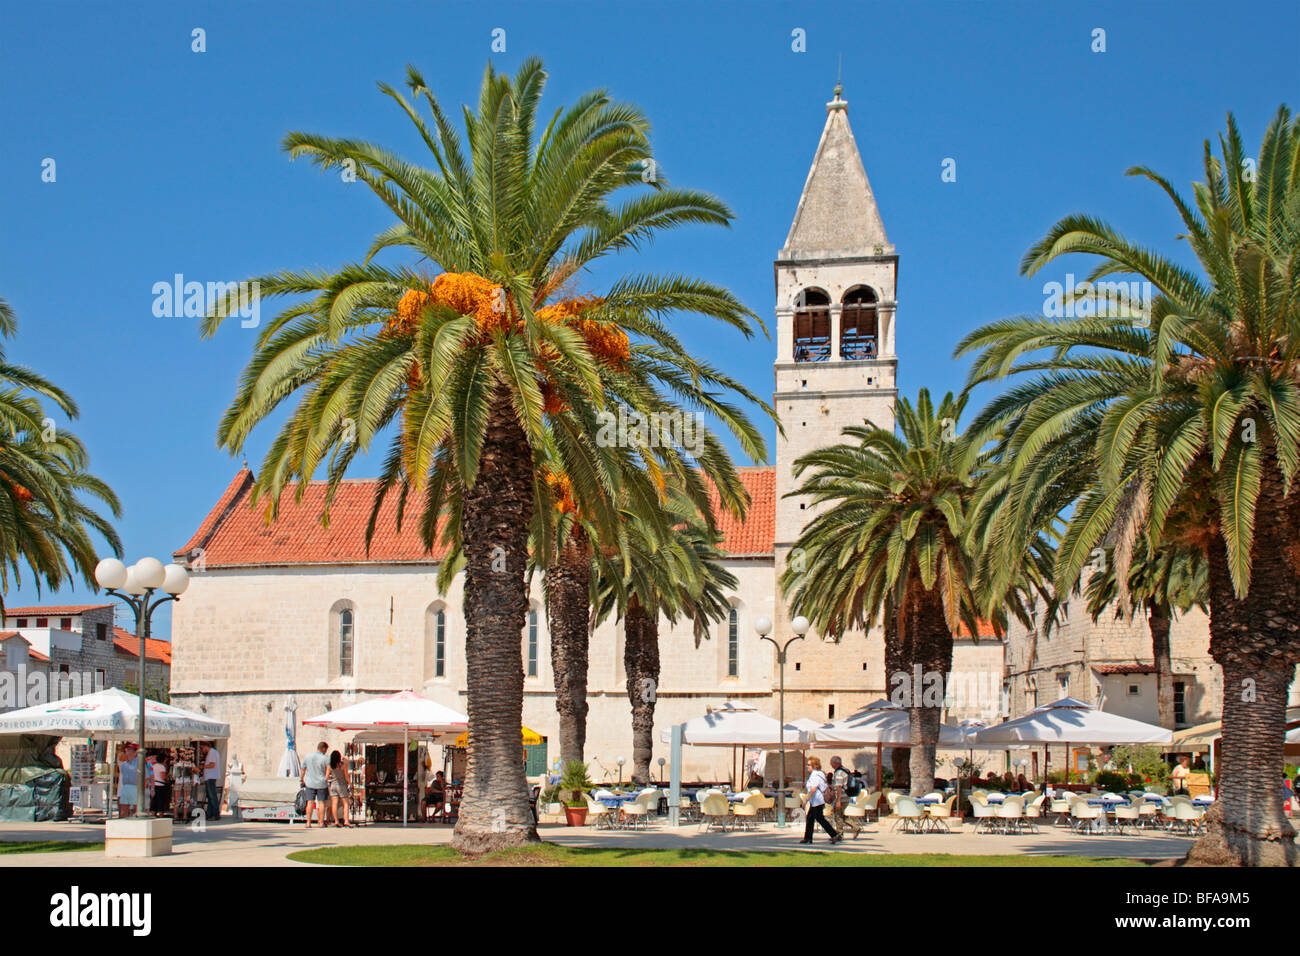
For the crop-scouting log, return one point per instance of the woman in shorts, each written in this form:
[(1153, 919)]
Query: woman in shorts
[(340, 791)]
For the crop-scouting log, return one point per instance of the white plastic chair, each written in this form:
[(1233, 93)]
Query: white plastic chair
[(1084, 816), (1011, 814), (744, 815), (909, 813), (598, 814), (714, 812), (940, 813)]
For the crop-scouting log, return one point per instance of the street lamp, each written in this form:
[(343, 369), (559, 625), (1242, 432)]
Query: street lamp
[(621, 761), (800, 627), (135, 587)]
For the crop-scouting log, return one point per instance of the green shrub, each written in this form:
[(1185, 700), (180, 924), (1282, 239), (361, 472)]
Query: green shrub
[(1112, 781)]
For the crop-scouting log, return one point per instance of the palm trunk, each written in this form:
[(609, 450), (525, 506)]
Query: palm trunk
[(927, 637), (641, 661), (568, 609), (1254, 640), (1159, 620), (896, 663), (494, 811)]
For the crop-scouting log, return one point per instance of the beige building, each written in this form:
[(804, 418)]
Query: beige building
[(298, 610)]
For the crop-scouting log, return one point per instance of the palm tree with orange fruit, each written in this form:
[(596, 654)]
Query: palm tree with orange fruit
[(482, 369)]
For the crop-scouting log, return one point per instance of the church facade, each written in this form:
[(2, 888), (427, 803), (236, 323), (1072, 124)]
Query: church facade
[(294, 610)]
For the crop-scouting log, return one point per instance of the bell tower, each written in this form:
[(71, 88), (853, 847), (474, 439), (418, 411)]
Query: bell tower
[(836, 280)]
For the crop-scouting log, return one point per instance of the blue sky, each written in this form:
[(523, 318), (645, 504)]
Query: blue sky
[(168, 161)]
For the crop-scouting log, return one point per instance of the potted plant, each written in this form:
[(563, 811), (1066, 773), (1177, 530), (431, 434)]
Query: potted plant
[(574, 784)]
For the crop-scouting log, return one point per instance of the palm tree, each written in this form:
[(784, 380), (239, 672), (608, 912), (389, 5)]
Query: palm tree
[(473, 365), (45, 519), (570, 575), (1161, 582), (891, 543), (677, 574), (1181, 421)]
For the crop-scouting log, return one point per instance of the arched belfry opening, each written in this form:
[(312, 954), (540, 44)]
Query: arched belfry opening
[(812, 326), (859, 324)]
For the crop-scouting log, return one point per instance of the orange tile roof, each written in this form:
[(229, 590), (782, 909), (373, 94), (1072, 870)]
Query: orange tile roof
[(53, 611), (235, 535), (154, 649), (37, 656), (985, 629)]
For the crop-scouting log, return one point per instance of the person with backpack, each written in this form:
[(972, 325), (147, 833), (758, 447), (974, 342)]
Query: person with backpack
[(841, 788)]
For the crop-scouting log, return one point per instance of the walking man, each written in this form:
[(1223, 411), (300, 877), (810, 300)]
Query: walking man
[(211, 775), (315, 777), (838, 787)]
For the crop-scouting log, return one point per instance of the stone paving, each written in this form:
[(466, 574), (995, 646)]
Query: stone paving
[(268, 844)]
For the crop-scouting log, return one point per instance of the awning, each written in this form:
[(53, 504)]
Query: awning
[(113, 714), (531, 738)]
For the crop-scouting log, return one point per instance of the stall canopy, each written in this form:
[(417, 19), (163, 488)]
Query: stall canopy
[(404, 710), (401, 714), (113, 714), (1071, 721), (738, 725)]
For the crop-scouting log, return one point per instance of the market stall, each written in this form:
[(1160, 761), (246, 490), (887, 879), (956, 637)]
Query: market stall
[(112, 716), (382, 723)]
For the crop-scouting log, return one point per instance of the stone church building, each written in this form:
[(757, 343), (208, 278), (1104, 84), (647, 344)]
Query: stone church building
[(294, 609)]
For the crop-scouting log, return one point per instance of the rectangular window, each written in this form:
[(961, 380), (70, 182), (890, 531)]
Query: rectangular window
[(532, 643), (1134, 690), (101, 679), (440, 645), (1063, 684), (42, 622), (21, 622), (733, 644), (65, 623), (101, 632), (1180, 703), (830, 711)]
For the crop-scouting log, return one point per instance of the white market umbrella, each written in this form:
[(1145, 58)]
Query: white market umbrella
[(290, 765), (113, 714), (884, 724), (738, 725), (403, 712), (1070, 721), (876, 724)]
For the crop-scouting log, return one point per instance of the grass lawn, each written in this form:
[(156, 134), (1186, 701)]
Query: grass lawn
[(552, 854), (47, 846)]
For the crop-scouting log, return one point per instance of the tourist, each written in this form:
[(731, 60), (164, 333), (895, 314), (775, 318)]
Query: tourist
[(436, 795), (210, 773), (838, 793), (816, 806), (314, 776), (160, 799), (1179, 775), (127, 781), (340, 791)]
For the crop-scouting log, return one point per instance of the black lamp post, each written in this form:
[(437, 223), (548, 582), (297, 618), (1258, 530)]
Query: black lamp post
[(135, 587), (800, 627)]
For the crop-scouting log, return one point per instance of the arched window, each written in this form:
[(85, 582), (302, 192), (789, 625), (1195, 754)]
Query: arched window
[(859, 324), (733, 643), (440, 644), (346, 639), (530, 662), (812, 326), (435, 642)]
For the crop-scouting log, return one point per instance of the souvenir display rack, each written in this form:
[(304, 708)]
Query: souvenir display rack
[(185, 783), (355, 757)]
